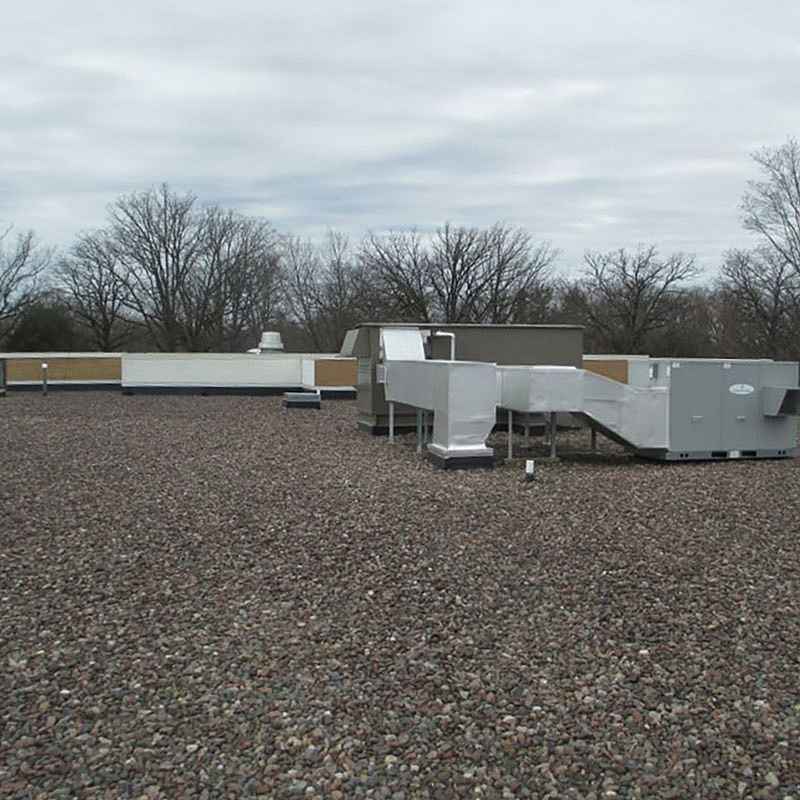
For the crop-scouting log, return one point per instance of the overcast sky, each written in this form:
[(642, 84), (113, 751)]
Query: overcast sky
[(592, 124)]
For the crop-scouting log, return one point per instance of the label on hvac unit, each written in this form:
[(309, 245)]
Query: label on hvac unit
[(741, 388)]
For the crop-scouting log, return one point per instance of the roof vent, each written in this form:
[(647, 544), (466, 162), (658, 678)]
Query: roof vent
[(270, 342)]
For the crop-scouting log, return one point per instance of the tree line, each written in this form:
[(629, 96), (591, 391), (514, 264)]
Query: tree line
[(165, 272)]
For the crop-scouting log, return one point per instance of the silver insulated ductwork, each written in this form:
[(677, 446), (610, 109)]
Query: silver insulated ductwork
[(692, 409), (461, 394)]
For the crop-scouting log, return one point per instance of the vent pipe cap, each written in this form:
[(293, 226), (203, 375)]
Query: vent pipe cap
[(270, 340)]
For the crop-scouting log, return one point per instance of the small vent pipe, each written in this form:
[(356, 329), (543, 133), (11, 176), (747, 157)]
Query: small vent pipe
[(452, 338)]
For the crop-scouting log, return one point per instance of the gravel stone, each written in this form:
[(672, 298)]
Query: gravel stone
[(215, 597)]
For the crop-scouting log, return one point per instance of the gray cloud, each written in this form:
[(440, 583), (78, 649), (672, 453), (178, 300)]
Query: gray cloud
[(593, 125)]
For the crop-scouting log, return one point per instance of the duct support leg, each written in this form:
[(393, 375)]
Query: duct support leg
[(391, 422), (553, 436), (594, 440), (510, 434), (419, 430), (527, 430)]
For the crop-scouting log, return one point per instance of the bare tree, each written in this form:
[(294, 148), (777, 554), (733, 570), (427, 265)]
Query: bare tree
[(23, 262), (516, 285), (246, 252), (458, 266), (200, 279), (494, 275), (348, 293), (327, 289), (397, 265), (771, 206), (761, 291), (96, 289), (158, 238), (626, 296), (461, 274), (304, 292), (232, 288), (537, 304), (694, 328)]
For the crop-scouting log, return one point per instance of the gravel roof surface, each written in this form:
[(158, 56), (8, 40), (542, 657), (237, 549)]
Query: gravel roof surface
[(214, 597)]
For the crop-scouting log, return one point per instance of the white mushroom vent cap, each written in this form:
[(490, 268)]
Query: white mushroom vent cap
[(270, 340)]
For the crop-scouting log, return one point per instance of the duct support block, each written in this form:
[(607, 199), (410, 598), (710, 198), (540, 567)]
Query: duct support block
[(478, 461), (302, 400)]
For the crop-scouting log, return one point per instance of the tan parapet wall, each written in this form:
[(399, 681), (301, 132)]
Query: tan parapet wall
[(77, 368), (616, 369), (101, 368), (335, 372)]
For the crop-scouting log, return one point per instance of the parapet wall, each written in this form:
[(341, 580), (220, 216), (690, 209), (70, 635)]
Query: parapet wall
[(181, 371), (25, 369)]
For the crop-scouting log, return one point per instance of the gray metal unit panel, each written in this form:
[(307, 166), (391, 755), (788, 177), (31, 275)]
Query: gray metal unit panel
[(524, 345), (694, 415), (741, 410)]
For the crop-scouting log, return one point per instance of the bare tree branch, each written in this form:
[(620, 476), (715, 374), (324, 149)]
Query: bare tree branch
[(397, 266), (156, 236), (23, 262), (771, 206), (327, 289), (762, 293), (96, 290), (461, 274), (625, 296), (200, 279)]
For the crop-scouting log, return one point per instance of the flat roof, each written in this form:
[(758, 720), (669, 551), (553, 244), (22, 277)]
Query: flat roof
[(358, 577)]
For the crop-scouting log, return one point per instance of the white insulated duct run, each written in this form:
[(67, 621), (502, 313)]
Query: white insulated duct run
[(463, 398), (637, 415), (461, 394)]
